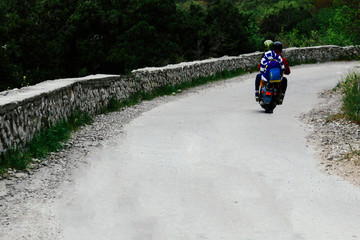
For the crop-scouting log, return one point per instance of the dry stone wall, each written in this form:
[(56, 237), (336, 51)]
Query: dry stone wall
[(23, 112)]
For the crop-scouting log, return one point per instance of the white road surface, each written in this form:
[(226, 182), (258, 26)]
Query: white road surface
[(213, 165)]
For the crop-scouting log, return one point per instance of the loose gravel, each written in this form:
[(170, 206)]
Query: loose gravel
[(335, 139)]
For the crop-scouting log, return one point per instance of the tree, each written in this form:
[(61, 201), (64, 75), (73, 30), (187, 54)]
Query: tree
[(282, 18), (192, 32), (320, 4), (149, 36), (227, 29), (351, 11)]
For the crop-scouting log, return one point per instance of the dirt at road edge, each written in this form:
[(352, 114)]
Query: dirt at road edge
[(334, 139)]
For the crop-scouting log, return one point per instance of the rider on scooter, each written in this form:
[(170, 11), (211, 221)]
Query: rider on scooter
[(274, 53)]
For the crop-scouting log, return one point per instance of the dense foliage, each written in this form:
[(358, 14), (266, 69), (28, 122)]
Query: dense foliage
[(337, 24), (49, 39)]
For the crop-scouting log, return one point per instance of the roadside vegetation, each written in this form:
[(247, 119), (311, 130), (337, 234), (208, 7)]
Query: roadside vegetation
[(350, 110), (51, 39), (351, 97)]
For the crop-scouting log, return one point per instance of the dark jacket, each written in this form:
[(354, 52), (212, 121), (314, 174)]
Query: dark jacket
[(286, 64)]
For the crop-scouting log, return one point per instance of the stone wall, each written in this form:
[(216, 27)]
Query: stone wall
[(23, 112)]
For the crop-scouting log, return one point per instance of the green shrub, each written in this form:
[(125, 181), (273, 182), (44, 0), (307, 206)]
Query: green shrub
[(351, 99)]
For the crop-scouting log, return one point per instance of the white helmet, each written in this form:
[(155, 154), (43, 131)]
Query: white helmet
[(268, 44)]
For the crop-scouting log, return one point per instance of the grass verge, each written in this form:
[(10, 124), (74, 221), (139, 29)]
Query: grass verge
[(350, 109), (47, 140), (351, 98), (52, 139)]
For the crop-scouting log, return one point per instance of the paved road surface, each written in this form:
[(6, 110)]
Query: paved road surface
[(213, 165)]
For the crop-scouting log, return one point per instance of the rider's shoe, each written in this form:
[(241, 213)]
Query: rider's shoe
[(281, 99), (257, 96)]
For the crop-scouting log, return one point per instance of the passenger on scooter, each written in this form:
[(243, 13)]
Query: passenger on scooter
[(274, 53), (268, 45)]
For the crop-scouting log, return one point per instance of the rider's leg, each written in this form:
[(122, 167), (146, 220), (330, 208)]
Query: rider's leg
[(284, 85), (283, 89), (257, 86)]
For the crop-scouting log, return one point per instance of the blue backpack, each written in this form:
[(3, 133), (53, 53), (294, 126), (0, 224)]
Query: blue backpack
[(273, 71)]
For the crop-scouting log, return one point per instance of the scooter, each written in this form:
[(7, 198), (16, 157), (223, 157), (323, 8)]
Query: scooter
[(269, 96)]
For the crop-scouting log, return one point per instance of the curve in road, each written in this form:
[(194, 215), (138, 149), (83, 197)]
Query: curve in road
[(213, 165)]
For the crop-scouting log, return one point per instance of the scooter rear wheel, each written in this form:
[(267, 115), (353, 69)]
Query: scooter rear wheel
[(269, 108)]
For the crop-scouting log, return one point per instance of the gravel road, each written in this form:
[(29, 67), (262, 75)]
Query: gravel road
[(39, 203)]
